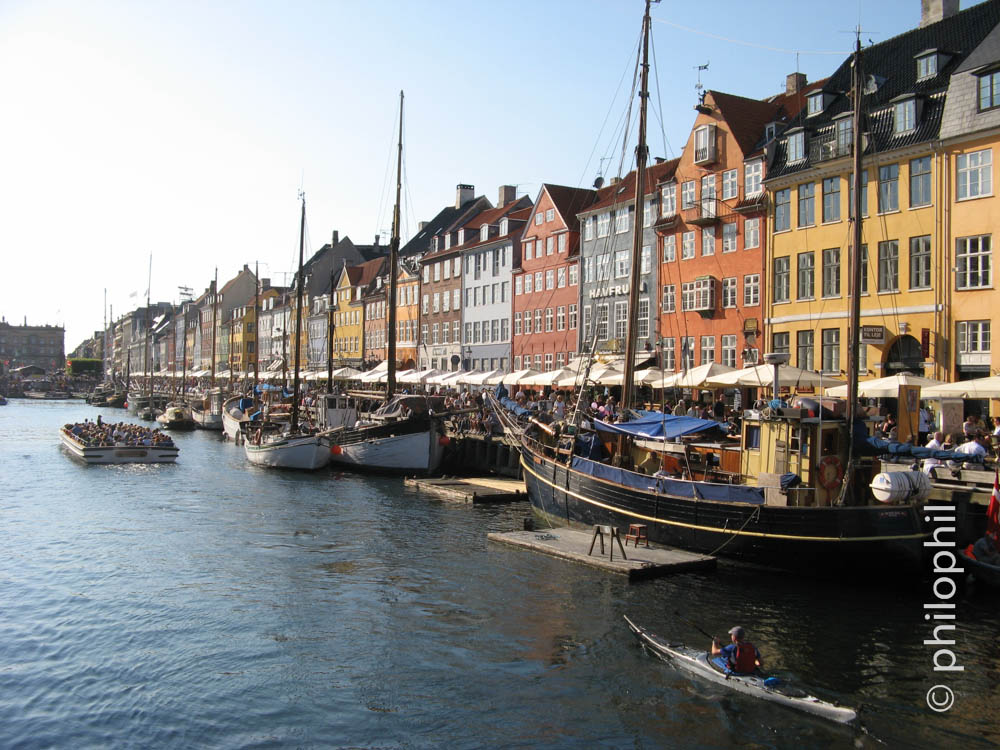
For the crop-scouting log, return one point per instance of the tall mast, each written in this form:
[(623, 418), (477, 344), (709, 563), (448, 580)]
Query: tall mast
[(256, 326), (104, 341), (853, 327), (149, 374), (390, 387), (215, 315), (329, 330), (184, 348), (298, 321), (640, 190)]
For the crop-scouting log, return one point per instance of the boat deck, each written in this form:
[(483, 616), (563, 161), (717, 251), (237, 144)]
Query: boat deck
[(472, 489), (640, 562)]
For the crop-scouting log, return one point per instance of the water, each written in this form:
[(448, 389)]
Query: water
[(211, 604)]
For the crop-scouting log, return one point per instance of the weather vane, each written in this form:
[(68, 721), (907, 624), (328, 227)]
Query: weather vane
[(699, 87)]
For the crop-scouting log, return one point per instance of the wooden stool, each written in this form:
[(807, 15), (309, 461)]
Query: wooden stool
[(637, 532)]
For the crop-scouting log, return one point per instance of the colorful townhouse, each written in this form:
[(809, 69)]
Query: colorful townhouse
[(348, 313), (606, 262), (546, 275), (407, 314), (487, 262), (907, 267)]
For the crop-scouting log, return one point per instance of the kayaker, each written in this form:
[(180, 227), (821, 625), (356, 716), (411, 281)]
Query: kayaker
[(741, 655)]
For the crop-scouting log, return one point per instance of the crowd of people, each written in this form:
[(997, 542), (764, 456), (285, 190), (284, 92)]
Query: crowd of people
[(101, 434)]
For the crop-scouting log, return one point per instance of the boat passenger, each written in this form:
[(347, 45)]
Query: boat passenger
[(936, 442), (741, 655)]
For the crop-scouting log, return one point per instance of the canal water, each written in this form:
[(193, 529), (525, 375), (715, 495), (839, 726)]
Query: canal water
[(211, 604)]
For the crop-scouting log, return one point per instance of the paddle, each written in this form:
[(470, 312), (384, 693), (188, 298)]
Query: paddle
[(769, 682)]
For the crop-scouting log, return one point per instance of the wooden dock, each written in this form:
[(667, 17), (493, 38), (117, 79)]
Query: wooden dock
[(641, 562), (472, 489)]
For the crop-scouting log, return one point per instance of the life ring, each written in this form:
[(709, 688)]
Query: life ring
[(827, 479)]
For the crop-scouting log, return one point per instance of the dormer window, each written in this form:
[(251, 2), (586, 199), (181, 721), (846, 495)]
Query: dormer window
[(905, 116), (447, 241), (927, 66), (770, 130), (704, 144), (484, 232), (814, 104), (434, 243), (504, 227), (796, 147), (989, 90)]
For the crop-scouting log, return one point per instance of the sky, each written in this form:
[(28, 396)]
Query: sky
[(182, 132)]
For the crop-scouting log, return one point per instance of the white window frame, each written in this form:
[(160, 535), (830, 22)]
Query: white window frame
[(751, 290), (974, 174), (730, 184)]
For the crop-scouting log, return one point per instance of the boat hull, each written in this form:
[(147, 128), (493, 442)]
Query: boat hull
[(828, 541), (119, 454), (413, 452), (206, 420), (308, 452)]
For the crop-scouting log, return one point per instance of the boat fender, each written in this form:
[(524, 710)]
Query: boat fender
[(830, 479), (256, 437)]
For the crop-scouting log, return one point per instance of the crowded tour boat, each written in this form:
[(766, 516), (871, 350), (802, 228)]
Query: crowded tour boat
[(118, 443)]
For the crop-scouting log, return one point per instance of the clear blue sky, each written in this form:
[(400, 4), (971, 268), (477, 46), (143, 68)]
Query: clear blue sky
[(185, 129)]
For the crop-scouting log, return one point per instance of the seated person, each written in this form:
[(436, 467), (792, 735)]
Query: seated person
[(741, 655)]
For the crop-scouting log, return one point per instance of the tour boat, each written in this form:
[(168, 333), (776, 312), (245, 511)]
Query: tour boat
[(118, 454)]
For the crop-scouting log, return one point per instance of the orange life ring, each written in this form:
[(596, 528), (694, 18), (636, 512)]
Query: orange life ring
[(830, 480)]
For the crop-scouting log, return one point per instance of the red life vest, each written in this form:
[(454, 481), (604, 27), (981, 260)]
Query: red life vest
[(744, 658)]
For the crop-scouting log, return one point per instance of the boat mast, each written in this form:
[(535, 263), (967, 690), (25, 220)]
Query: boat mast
[(186, 306), (256, 322), (640, 190), (394, 263), (294, 427), (853, 327), (149, 374), (215, 315), (329, 330)]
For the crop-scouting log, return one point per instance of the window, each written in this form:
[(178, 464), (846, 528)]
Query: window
[(670, 248), (927, 66), (698, 295), (831, 272), (548, 362), (445, 306), (538, 281), (989, 90), (645, 260), (753, 173), (574, 274), (905, 116), (708, 207), (561, 277), (484, 234), (538, 320), (831, 199), (669, 354), (621, 221), (425, 306), (562, 242), (975, 177), (707, 349), (550, 214), (437, 272), (729, 351), (621, 263), (783, 210), (708, 241), (587, 310), (807, 204), (528, 283), (527, 322), (779, 343), (796, 147), (560, 360), (572, 317), (518, 285), (729, 237), (561, 318), (806, 276), (888, 266), (864, 194), (804, 350), (888, 188), (845, 135), (973, 261), (455, 331), (669, 301), (687, 352), (588, 228), (751, 234), (864, 269), (435, 329), (517, 361), (548, 319), (973, 336), (831, 350), (603, 224), (621, 319), (550, 279), (588, 269), (604, 266), (517, 326), (920, 182), (643, 319), (602, 322), (751, 290), (549, 244), (704, 144), (814, 104), (687, 245), (729, 291), (781, 279), (920, 262), (528, 247), (539, 217), (538, 361), (730, 184), (668, 199), (647, 213), (687, 194)]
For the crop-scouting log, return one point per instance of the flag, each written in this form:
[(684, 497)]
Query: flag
[(993, 510)]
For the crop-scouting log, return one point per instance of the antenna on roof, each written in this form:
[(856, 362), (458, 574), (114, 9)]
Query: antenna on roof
[(699, 87)]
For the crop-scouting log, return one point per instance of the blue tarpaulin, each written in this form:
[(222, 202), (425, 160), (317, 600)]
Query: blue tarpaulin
[(268, 387), (867, 445), (656, 426), (509, 403)]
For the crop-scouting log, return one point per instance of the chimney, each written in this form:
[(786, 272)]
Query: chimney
[(463, 194), (932, 11), (508, 194), (420, 226), (795, 82), (335, 239), (615, 180), (265, 283), (377, 237)]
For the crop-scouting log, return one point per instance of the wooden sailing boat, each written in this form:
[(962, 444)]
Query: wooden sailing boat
[(402, 435), (290, 446), (208, 414), (795, 495)]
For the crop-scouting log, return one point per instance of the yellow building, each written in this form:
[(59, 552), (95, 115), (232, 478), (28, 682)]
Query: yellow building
[(348, 323)]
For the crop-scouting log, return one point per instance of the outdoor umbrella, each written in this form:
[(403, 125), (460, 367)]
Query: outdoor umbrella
[(885, 387)]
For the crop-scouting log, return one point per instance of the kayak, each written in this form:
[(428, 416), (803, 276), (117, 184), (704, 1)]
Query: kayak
[(702, 664)]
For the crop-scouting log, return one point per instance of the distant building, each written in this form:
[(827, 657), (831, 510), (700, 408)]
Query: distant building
[(42, 346)]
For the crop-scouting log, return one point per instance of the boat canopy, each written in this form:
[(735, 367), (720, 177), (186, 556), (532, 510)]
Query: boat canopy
[(657, 426)]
